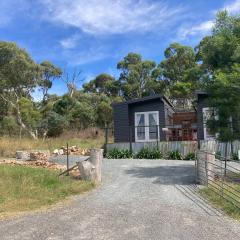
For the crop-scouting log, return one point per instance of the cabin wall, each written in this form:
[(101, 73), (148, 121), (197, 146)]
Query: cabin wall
[(154, 105), (124, 118), (121, 123)]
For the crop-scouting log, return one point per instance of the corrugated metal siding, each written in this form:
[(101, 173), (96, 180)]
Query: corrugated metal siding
[(201, 103), (121, 123)]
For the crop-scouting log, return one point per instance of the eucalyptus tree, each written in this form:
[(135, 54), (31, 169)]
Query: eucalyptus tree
[(49, 72), (19, 76), (220, 57), (138, 77)]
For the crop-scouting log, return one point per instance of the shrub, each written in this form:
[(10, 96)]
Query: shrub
[(218, 155), (119, 153), (235, 157), (190, 156), (147, 153), (54, 123), (175, 155)]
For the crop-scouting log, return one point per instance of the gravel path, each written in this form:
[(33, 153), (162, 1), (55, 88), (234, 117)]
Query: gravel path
[(139, 199)]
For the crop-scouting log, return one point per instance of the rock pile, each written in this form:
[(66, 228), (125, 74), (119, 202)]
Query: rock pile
[(39, 156), (50, 165), (73, 150), (33, 155), (37, 163)]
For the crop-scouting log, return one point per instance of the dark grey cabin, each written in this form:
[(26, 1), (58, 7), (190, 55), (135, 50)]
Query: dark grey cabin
[(142, 120)]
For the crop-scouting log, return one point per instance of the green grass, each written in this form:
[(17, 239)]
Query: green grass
[(25, 188), (220, 202)]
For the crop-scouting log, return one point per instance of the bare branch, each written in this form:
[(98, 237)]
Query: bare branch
[(72, 80)]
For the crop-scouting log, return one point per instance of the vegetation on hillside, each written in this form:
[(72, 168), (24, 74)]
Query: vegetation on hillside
[(85, 140), (214, 65)]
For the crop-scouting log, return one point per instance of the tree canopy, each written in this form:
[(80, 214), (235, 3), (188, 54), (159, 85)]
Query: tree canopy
[(219, 54), (138, 78), (213, 65)]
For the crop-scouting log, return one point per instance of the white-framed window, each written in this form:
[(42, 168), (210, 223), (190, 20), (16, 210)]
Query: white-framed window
[(146, 126), (208, 113)]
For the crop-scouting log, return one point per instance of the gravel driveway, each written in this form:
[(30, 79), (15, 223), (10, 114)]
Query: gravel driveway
[(139, 199)]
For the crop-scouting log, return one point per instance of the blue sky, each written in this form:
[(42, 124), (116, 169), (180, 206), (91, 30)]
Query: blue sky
[(93, 35)]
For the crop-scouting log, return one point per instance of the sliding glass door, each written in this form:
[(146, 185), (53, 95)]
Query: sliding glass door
[(146, 126)]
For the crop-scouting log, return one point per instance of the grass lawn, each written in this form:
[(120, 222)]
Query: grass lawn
[(24, 188), (220, 202)]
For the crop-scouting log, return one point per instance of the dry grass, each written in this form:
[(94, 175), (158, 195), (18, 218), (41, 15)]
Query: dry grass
[(84, 139), (24, 188)]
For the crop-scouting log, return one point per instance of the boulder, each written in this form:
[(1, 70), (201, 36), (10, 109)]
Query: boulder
[(87, 171), (55, 151), (60, 151), (22, 155)]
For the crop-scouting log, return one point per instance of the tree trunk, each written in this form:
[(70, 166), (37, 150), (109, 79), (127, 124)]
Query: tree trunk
[(22, 125), (20, 133), (19, 118)]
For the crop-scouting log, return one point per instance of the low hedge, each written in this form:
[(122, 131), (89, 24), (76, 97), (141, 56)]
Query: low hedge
[(119, 154), (144, 153), (148, 153)]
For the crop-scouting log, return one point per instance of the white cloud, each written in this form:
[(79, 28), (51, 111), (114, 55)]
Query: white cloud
[(195, 30), (203, 28), (110, 16), (233, 8), (69, 43)]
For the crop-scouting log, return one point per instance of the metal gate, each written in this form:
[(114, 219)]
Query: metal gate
[(221, 175)]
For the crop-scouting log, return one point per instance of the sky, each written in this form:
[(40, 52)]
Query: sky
[(94, 35)]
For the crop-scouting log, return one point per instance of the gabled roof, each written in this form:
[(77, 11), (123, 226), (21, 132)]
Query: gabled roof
[(145, 99)]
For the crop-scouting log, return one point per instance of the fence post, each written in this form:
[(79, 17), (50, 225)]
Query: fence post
[(196, 165), (221, 180), (96, 158), (106, 140), (200, 168), (157, 137), (67, 160), (225, 160), (91, 169), (206, 167), (197, 159)]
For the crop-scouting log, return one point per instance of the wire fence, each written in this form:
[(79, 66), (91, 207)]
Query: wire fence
[(221, 175)]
